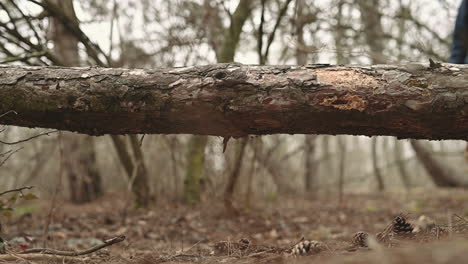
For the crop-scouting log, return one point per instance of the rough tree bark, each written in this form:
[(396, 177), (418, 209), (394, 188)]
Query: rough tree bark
[(407, 101)]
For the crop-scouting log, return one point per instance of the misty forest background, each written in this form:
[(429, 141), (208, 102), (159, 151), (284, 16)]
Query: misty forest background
[(157, 33)]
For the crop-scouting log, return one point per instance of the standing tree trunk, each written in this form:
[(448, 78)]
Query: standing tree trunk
[(197, 145), (135, 169), (442, 175), (342, 165), (375, 165), (195, 165), (372, 23), (400, 163), (141, 182), (240, 150), (301, 59), (80, 162), (340, 36), (311, 165)]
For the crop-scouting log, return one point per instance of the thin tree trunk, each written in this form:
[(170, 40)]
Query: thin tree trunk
[(233, 177), (136, 173), (194, 169), (197, 145), (141, 182), (80, 168), (310, 162), (405, 179), (442, 175), (375, 165), (301, 59), (372, 21), (301, 55), (340, 36), (342, 165), (253, 171), (80, 162)]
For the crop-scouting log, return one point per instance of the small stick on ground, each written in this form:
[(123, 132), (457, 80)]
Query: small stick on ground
[(12, 258), (48, 251)]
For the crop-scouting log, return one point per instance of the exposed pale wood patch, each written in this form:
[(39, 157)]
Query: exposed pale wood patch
[(346, 102), (349, 79)]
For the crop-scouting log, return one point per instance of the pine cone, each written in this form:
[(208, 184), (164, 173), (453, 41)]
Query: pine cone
[(401, 225), (306, 247), (244, 243), (228, 247), (360, 239)]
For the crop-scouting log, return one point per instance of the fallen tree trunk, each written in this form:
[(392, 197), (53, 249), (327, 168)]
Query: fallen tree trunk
[(407, 101)]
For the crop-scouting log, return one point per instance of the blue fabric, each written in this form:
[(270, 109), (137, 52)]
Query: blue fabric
[(459, 48)]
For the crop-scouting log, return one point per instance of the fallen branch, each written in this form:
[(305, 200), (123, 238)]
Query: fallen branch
[(48, 251), (9, 258), (423, 101)]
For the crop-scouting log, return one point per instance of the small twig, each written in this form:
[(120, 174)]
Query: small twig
[(9, 112), (29, 138), (461, 218), (14, 255), (260, 253), (9, 153), (293, 245), (20, 190), (29, 258), (141, 139), (173, 257), (24, 57), (49, 251), (56, 191)]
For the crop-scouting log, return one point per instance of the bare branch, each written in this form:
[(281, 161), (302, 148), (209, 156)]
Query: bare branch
[(20, 190), (271, 37), (24, 57), (9, 154), (29, 138), (9, 112)]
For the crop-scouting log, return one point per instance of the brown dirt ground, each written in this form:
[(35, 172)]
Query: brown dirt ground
[(171, 232)]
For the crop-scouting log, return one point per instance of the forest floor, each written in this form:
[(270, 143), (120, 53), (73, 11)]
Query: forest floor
[(172, 232)]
